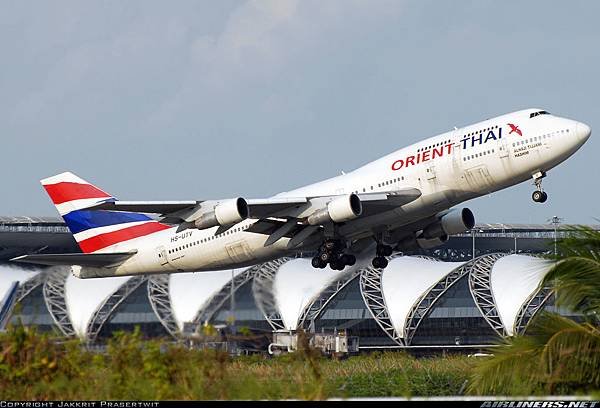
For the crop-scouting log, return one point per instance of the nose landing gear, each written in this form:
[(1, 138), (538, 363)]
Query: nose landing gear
[(539, 196)]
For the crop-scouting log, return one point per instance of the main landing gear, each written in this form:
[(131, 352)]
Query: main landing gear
[(332, 253), (381, 252), (539, 196)]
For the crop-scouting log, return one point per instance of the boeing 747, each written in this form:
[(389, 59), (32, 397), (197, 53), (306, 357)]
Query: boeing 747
[(399, 202)]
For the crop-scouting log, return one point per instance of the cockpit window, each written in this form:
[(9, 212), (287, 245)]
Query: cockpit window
[(538, 113)]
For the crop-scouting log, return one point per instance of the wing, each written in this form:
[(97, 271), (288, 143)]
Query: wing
[(155, 207), (94, 260), (278, 217), (294, 224), (188, 210), (284, 207), (374, 203)]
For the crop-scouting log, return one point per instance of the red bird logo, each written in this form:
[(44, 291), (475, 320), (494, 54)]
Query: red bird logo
[(515, 128)]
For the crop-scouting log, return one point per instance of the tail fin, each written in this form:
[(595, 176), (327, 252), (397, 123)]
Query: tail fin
[(95, 229)]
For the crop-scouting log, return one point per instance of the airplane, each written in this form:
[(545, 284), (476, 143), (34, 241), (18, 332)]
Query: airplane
[(399, 202)]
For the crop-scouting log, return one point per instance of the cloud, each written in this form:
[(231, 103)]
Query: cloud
[(263, 44)]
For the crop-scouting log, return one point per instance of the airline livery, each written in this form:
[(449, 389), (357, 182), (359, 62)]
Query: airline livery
[(399, 202)]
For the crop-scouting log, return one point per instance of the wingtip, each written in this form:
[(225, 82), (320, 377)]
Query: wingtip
[(17, 258)]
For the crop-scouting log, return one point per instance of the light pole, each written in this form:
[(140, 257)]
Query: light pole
[(473, 235), (556, 220), (232, 299)]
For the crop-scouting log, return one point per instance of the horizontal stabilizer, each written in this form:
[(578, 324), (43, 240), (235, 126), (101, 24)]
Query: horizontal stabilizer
[(94, 260)]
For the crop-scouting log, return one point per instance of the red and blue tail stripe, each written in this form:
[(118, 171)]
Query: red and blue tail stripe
[(83, 220), (95, 230), (101, 241), (65, 191)]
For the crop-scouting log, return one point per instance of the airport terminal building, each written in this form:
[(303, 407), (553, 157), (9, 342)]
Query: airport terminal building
[(478, 287)]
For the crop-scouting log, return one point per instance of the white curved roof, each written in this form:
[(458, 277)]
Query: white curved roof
[(189, 291), (513, 279), (10, 274), (407, 278), (296, 284), (84, 296)]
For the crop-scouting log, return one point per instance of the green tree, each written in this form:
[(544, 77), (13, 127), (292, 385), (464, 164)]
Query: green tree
[(556, 354)]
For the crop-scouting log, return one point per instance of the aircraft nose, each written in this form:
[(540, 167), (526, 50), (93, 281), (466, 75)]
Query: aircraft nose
[(583, 132)]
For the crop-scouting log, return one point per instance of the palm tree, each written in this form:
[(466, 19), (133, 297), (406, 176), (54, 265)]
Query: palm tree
[(557, 354)]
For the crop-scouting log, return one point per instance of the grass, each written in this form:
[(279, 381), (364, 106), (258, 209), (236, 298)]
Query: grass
[(41, 366)]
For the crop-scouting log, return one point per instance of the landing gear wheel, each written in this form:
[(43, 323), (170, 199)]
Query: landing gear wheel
[(325, 257), (331, 252), (379, 262), (329, 245), (348, 259), (316, 262), (539, 196), (384, 263)]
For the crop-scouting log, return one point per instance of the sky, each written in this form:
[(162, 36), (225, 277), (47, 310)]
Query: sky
[(155, 100)]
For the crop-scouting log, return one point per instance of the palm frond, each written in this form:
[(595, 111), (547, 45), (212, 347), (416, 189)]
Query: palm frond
[(576, 273), (572, 351), (576, 281), (509, 372), (556, 352), (582, 241)]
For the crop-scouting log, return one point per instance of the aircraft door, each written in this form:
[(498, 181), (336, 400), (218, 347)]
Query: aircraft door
[(239, 251), (503, 148), (430, 173), (479, 178), (164, 258)]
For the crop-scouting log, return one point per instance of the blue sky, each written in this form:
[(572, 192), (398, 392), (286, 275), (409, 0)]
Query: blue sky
[(212, 99)]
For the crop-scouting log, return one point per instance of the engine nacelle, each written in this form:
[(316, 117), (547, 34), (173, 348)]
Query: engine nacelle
[(339, 209), (411, 243), (228, 212), (432, 243), (453, 222)]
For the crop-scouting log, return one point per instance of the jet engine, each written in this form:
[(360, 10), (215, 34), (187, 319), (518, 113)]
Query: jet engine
[(228, 212), (411, 243), (339, 209), (431, 243), (454, 222)]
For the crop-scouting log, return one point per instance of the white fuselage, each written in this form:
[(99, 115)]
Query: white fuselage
[(448, 169)]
